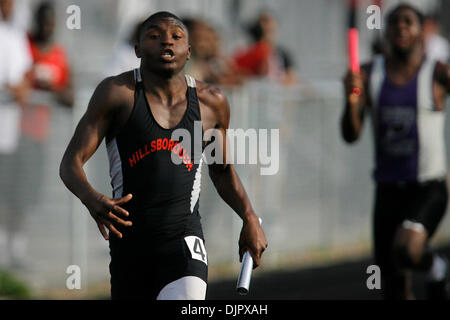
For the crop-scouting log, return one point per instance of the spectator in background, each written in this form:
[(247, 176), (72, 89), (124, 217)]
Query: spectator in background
[(51, 71), (124, 57), (18, 13), (51, 82), (15, 62), (207, 62), (436, 46), (264, 58), (17, 59)]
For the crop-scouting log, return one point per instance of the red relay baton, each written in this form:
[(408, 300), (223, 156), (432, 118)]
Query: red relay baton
[(353, 44)]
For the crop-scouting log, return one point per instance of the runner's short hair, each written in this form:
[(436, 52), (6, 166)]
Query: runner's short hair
[(408, 6), (158, 16)]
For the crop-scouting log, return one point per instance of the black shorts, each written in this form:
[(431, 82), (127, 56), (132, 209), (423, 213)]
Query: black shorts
[(424, 203), (140, 270)]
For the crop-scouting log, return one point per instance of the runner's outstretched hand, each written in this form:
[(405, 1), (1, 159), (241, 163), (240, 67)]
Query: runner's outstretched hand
[(107, 212)]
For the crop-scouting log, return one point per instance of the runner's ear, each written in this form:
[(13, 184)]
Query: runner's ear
[(189, 53), (137, 50)]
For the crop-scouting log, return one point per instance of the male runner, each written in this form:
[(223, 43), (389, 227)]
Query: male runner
[(157, 247), (405, 94)]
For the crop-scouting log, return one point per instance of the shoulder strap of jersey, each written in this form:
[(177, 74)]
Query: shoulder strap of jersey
[(137, 75), (425, 84), (194, 104), (190, 81)]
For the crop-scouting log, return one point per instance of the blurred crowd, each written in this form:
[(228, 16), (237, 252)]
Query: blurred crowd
[(34, 78), (262, 58)]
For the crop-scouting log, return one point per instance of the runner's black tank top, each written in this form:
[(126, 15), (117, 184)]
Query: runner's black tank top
[(161, 168)]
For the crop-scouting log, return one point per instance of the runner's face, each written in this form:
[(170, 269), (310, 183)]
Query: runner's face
[(164, 46), (46, 24), (6, 8), (404, 31)]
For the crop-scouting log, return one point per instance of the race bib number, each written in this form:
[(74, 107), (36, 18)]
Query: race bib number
[(197, 248)]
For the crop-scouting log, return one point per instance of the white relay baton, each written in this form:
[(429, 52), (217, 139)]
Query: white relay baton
[(245, 275)]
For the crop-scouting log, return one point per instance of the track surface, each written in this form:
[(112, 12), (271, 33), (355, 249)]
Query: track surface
[(344, 281)]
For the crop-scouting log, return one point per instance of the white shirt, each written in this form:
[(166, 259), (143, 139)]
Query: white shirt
[(15, 61), (15, 56), (438, 48)]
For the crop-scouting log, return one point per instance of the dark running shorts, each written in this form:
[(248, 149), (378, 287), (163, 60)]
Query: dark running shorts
[(140, 272), (424, 203)]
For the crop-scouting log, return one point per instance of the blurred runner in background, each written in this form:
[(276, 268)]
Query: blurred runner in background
[(404, 91)]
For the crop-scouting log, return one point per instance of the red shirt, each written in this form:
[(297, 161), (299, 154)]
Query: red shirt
[(253, 60), (51, 65)]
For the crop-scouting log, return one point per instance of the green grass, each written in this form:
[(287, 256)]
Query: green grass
[(12, 288)]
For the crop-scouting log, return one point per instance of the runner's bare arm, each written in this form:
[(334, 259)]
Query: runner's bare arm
[(355, 105), (65, 95), (88, 135), (229, 186)]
